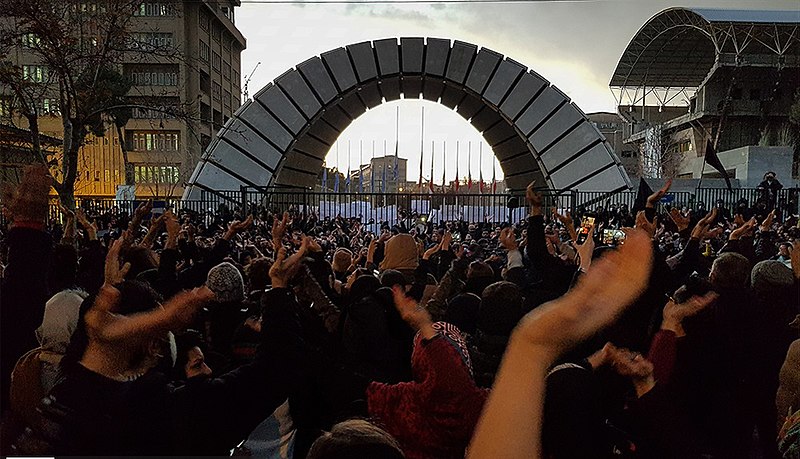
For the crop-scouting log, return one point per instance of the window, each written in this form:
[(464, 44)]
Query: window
[(5, 107), (235, 76), (216, 32), (205, 20), (226, 100), (154, 78), (35, 73), (205, 113), (216, 61), (147, 173), (152, 75), (153, 9), (226, 43), (205, 82), (684, 146), (30, 40), (151, 40), (205, 51), (216, 91), (226, 71), (155, 141)]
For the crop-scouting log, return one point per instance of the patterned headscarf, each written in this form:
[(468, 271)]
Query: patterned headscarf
[(456, 339)]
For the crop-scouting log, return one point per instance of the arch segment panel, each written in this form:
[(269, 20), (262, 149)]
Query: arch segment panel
[(282, 135)]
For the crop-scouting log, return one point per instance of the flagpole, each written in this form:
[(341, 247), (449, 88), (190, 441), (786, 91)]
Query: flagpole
[(395, 173), (349, 166), (480, 168), (421, 145), (433, 148), (444, 165)]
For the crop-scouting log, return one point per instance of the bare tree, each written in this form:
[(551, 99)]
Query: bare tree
[(78, 49)]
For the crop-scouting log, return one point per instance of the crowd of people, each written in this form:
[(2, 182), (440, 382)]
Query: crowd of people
[(666, 333)]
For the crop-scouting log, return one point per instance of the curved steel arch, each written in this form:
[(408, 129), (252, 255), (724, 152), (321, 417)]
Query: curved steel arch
[(282, 136)]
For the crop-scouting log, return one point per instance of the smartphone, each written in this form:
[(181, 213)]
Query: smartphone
[(586, 227), (613, 237)]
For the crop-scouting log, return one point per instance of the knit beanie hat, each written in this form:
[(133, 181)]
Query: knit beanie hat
[(770, 274), (226, 282)]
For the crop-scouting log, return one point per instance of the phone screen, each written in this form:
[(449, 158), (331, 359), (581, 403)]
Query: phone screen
[(586, 228)]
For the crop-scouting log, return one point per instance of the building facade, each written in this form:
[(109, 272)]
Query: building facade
[(181, 95), (691, 76)]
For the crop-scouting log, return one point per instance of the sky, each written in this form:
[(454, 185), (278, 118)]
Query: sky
[(575, 44)]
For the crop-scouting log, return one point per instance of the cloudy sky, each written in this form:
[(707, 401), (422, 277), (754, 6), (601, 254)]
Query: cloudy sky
[(574, 44)]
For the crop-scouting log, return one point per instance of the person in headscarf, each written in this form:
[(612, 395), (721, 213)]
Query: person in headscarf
[(435, 414)]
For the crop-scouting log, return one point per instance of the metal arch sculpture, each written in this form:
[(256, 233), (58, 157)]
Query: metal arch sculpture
[(282, 136)]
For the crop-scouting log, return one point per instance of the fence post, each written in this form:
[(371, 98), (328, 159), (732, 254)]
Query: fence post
[(243, 192)]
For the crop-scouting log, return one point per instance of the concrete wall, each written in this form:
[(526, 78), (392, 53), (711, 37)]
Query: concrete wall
[(747, 164)]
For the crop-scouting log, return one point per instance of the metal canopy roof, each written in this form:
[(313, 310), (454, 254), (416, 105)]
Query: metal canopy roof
[(678, 46)]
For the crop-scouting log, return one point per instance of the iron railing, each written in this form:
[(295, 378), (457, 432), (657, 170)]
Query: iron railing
[(380, 207)]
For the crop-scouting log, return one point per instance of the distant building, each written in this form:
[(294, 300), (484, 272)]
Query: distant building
[(692, 75), (163, 149)]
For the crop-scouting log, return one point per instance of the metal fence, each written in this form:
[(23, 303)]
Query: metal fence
[(436, 206)]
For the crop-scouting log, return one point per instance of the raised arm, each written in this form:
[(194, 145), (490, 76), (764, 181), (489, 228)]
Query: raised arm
[(512, 420)]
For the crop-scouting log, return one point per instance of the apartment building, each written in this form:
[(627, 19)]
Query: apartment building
[(198, 78)]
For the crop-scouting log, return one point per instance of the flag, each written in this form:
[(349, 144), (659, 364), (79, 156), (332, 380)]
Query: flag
[(641, 196), (712, 159), (371, 171), (469, 167), (480, 166), (457, 151), (336, 181), (494, 177), (347, 179), (324, 178), (360, 168)]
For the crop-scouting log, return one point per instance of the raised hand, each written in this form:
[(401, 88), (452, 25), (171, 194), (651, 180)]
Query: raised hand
[(766, 225), (681, 221), (634, 366), (515, 404), (285, 268), (743, 231), (701, 231), (508, 240), (447, 239), (675, 313), (91, 228), (237, 226), (534, 199), (612, 283), (114, 273), (567, 221), (586, 250), (139, 214), (653, 199), (413, 313), (279, 227), (644, 224)]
